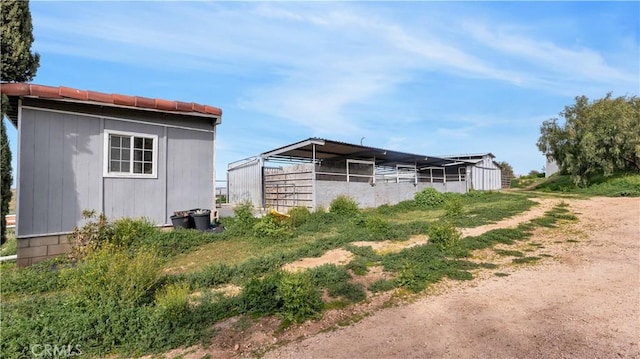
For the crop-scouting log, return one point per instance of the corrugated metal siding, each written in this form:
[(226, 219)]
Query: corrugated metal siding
[(59, 174), (189, 170), (485, 175), (244, 182)]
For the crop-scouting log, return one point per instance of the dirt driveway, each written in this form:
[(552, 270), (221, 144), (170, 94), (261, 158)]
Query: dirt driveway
[(584, 302)]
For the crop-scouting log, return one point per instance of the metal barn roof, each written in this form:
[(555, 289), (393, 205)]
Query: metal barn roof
[(335, 150)]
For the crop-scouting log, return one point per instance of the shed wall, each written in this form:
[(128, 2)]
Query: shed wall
[(190, 179), (58, 171), (136, 197), (485, 175)]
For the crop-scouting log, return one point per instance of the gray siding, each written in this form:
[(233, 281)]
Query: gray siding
[(154, 117), (485, 175), (189, 170), (137, 197), (61, 172), (59, 175)]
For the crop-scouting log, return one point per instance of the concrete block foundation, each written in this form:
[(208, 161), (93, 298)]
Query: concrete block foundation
[(36, 249)]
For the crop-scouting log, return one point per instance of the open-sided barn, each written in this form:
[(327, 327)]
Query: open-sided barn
[(312, 172)]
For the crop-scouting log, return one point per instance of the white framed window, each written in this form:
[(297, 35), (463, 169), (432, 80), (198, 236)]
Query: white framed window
[(129, 154)]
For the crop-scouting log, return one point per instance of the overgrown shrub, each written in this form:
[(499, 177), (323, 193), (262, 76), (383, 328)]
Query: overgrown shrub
[(291, 295), (113, 275), (130, 231), (298, 216), (443, 234), (260, 295), (271, 226), (379, 226), (429, 198), (172, 302), (453, 206), (243, 219), (344, 206), (300, 299), (91, 236)]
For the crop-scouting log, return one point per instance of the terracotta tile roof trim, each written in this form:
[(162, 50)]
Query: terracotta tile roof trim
[(51, 92)]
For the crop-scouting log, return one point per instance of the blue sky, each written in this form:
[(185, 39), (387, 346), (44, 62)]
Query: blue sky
[(431, 78)]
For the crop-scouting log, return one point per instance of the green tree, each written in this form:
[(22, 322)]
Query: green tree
[(18, 64), (598, 137), (506, 169)]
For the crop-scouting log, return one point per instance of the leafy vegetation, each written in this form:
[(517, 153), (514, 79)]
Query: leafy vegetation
[(17, 64), (618, 185), (598, 137), (10, 247), (429, 198), (116, 299)]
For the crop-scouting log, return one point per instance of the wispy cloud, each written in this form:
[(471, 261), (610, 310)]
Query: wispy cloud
[(395, 74)]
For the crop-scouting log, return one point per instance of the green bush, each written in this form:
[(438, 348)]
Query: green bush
[(453, 206), (113, 275), (270, 226), (298, 216), (260, 295), (344, 206), (328, 274), (292, 296), (443, 234), (379, 226), (172, 302), (300, 299), (243, 219), (429, 198), (10, 247), (129, 231)]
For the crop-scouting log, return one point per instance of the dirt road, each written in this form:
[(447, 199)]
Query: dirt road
[(582, 303)]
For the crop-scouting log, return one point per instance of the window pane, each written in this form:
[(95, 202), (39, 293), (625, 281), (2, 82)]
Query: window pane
[(148, 155), (137, 155), (126, 142), (137, 167), (148, 143), (115, 166), (148, 168), (125, 154), (138, 142), (115, 141), (124, 166), (115, 154)]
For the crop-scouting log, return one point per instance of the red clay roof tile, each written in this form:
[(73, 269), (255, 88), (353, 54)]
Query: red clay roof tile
[(32, 90)]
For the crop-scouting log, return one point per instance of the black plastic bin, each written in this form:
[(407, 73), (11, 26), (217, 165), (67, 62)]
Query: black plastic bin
[(182, 221), (201, 219)]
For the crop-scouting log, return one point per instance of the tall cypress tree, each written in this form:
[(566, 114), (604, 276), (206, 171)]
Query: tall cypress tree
[(19, 64)]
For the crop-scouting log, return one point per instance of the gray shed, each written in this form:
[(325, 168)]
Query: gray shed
[(484, 173), (312, 172), (123, 156)]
